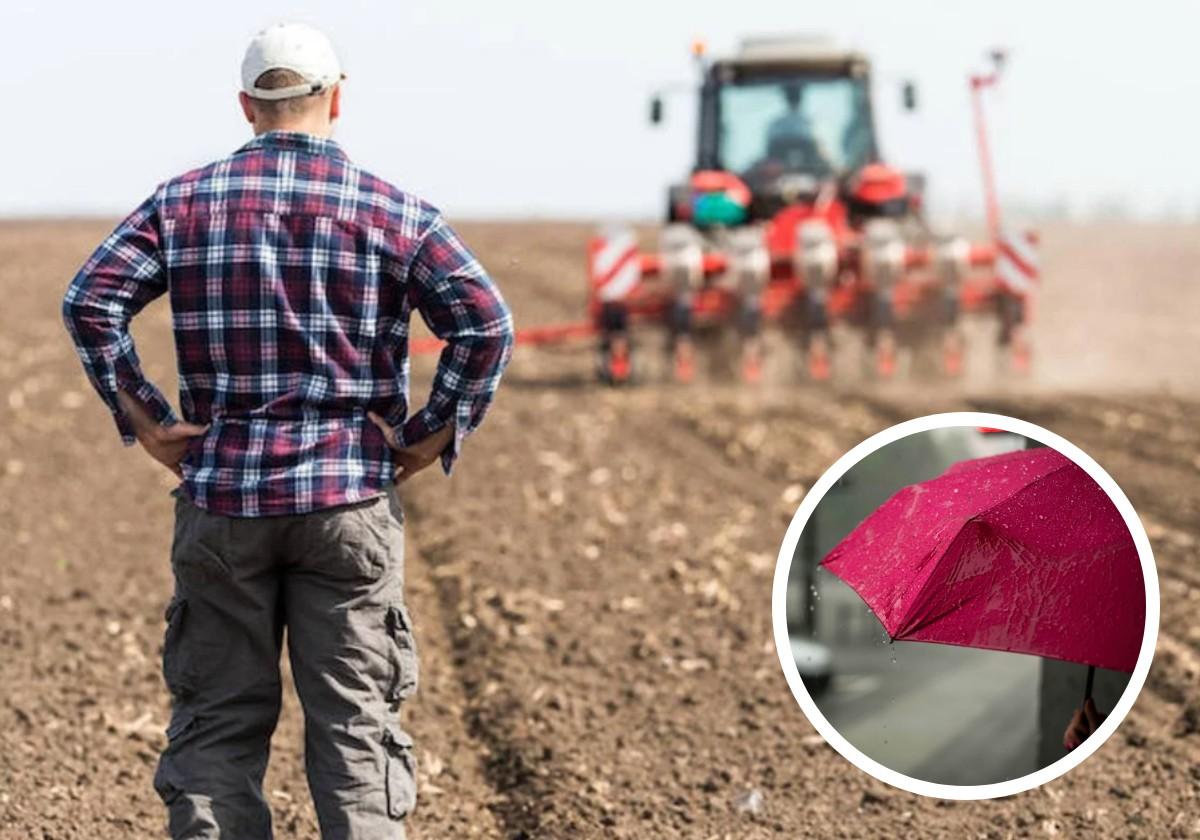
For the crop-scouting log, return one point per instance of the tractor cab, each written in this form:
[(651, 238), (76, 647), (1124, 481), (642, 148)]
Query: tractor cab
[(786, 117)]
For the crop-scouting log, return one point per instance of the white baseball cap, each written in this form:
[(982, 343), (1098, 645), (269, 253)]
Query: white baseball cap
[(298, 47)]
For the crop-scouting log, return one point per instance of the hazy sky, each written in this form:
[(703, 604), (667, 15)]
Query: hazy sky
[(520, 108)]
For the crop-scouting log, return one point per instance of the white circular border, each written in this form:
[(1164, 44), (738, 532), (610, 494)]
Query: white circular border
[(779, 613)]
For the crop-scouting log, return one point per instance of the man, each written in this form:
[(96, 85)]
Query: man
[(793, 122), (292, 274), (790, 137)]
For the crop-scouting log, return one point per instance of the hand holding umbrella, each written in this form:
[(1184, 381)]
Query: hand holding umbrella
[(1083, 723)]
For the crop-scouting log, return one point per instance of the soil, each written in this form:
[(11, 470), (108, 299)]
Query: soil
[(592, 588)]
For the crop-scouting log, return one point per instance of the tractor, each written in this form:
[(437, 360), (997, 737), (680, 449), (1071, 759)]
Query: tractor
[(790, 216)]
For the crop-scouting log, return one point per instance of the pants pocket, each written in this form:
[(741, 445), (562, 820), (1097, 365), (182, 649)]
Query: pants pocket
[(401, 778), (403, 681), (345, 544), (176, 669), (200, 549)]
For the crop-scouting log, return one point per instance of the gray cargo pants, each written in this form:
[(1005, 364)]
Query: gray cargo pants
[(335, 580)]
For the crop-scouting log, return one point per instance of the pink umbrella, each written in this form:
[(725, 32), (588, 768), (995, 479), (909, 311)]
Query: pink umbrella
[(1019, 552)]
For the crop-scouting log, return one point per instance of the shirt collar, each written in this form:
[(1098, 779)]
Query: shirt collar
[(294, 141)]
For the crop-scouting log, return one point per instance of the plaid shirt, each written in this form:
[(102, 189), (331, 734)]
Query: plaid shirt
[(292, 274)]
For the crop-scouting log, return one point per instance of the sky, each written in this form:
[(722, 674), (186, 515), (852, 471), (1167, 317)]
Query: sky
[(524, 108)]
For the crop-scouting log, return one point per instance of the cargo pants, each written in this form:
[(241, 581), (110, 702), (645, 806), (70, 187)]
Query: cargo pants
[(335, 580)]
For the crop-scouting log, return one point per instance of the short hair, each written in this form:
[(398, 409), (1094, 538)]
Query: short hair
[(292, 106)]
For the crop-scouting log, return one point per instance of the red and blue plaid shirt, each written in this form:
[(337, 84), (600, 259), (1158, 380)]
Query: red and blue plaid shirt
[(292, 275)]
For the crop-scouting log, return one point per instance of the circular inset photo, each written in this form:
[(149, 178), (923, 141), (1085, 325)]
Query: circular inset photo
[(965, 605)]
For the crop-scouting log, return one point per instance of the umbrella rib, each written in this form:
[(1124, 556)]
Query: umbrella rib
[(925, 621), (925, 592), (1067, 465)]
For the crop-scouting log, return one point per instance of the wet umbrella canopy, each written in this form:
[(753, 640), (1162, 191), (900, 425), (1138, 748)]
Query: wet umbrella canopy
[(1019, 552)]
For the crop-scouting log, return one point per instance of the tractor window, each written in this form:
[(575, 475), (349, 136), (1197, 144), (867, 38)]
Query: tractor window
[(819, 126)]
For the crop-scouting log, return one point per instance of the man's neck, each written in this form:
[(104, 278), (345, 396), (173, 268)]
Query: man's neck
[(325, 132)]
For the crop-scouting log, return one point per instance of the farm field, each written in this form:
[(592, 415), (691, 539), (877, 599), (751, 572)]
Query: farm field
[(592, 588)]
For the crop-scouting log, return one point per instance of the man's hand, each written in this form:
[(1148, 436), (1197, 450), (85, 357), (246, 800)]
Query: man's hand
[(409, 460), (165, 444), (1084, 722)]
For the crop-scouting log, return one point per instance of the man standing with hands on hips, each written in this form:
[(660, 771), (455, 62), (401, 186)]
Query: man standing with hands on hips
[(292, 275)]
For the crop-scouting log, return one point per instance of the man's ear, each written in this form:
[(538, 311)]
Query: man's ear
[(335, 103), (247, 106)]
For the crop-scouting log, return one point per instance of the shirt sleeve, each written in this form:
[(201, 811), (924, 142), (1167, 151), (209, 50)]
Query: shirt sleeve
[(462, 306), (124, 274)]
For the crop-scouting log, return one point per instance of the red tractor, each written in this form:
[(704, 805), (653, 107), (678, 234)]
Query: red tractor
[(790, 216)]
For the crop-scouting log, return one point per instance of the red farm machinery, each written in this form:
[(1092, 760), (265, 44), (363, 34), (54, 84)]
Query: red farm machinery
[(791, 217)]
